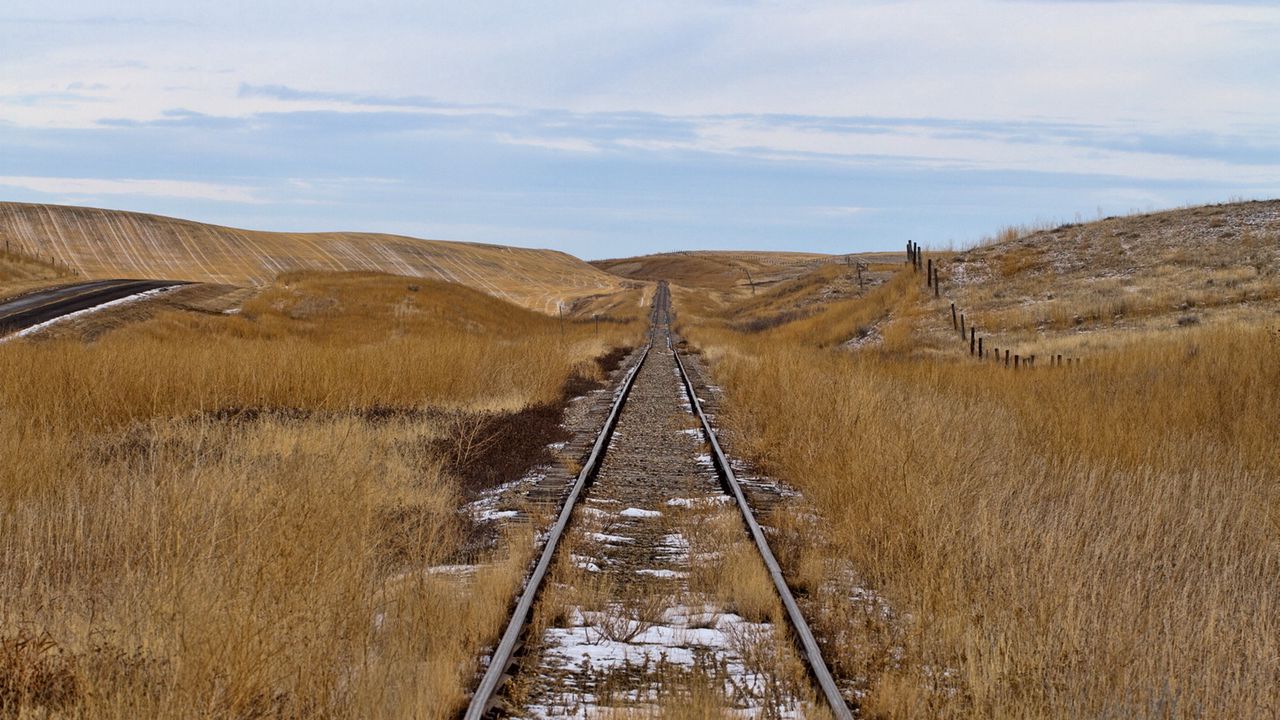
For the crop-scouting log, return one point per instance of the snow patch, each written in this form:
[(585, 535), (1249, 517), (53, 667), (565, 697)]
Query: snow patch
[(661, 573), (609, 539), (127, 300), (700, 502)]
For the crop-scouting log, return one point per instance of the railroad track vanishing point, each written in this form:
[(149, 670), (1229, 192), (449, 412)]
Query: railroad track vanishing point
[(647, 591)]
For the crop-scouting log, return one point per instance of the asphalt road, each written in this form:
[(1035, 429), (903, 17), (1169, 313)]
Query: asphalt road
[(44, 305)]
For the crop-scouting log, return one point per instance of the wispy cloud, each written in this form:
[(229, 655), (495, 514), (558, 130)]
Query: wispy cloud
[(292, 94), (642, 125), (184, 189), (841, 211)]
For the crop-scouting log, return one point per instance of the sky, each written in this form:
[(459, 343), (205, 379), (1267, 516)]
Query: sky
[(609, 129)]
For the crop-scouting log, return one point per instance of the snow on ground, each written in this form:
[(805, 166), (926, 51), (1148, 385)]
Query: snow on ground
[(640, 513), (662, 573), (689, 639), (701, 502), (609, 539), (498, 503), (129, 300)]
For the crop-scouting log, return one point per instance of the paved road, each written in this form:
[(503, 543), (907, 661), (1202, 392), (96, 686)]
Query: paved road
[(44, 305)]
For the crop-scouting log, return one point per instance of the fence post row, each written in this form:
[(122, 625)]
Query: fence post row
[(976, 346)]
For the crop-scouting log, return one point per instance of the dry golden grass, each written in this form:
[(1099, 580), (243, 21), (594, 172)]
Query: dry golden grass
[(20, 273), (718, 270), (111, 244), (1099, 541), (886, 314), (1086, 287), (235, 515), (721, 276)]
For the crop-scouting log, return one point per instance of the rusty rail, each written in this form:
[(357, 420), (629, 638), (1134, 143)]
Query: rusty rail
[(486, 693), (809, 644)]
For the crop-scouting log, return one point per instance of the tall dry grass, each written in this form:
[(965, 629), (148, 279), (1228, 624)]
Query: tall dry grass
[(20, 272), (1099, 542), (238, 515), (1113, 276)]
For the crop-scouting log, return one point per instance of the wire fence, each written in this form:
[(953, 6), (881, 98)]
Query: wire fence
[(980, 346)]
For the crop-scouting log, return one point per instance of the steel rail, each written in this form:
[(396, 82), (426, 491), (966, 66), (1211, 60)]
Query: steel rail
[(487, 691), (817, 665)]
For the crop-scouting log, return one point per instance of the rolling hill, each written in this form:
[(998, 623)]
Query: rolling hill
[(1085, 282), (20, 272), (98, 243), (728, 274), (719, 271)]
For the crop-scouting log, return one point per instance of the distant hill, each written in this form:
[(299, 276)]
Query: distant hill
[(721, 271), (107, 243)]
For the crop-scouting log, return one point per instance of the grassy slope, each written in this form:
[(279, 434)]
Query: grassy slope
[(106, 243), (212, 515), (20, 272), (1052, 539), (717, 271), (1084, 288)]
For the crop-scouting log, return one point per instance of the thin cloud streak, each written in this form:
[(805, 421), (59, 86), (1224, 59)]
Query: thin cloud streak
[(182, 189)]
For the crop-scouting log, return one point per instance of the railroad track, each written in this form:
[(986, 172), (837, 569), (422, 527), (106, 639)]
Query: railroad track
[(42, 306), (606, 615)]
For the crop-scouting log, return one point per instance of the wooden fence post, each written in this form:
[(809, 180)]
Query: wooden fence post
[(928, 277), (1006, 358), (961, 326), (973, 340), (955, 324), (1015, 362), (980, 355)]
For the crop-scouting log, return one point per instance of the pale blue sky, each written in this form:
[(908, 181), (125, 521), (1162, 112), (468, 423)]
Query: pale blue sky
[(609, 129)]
